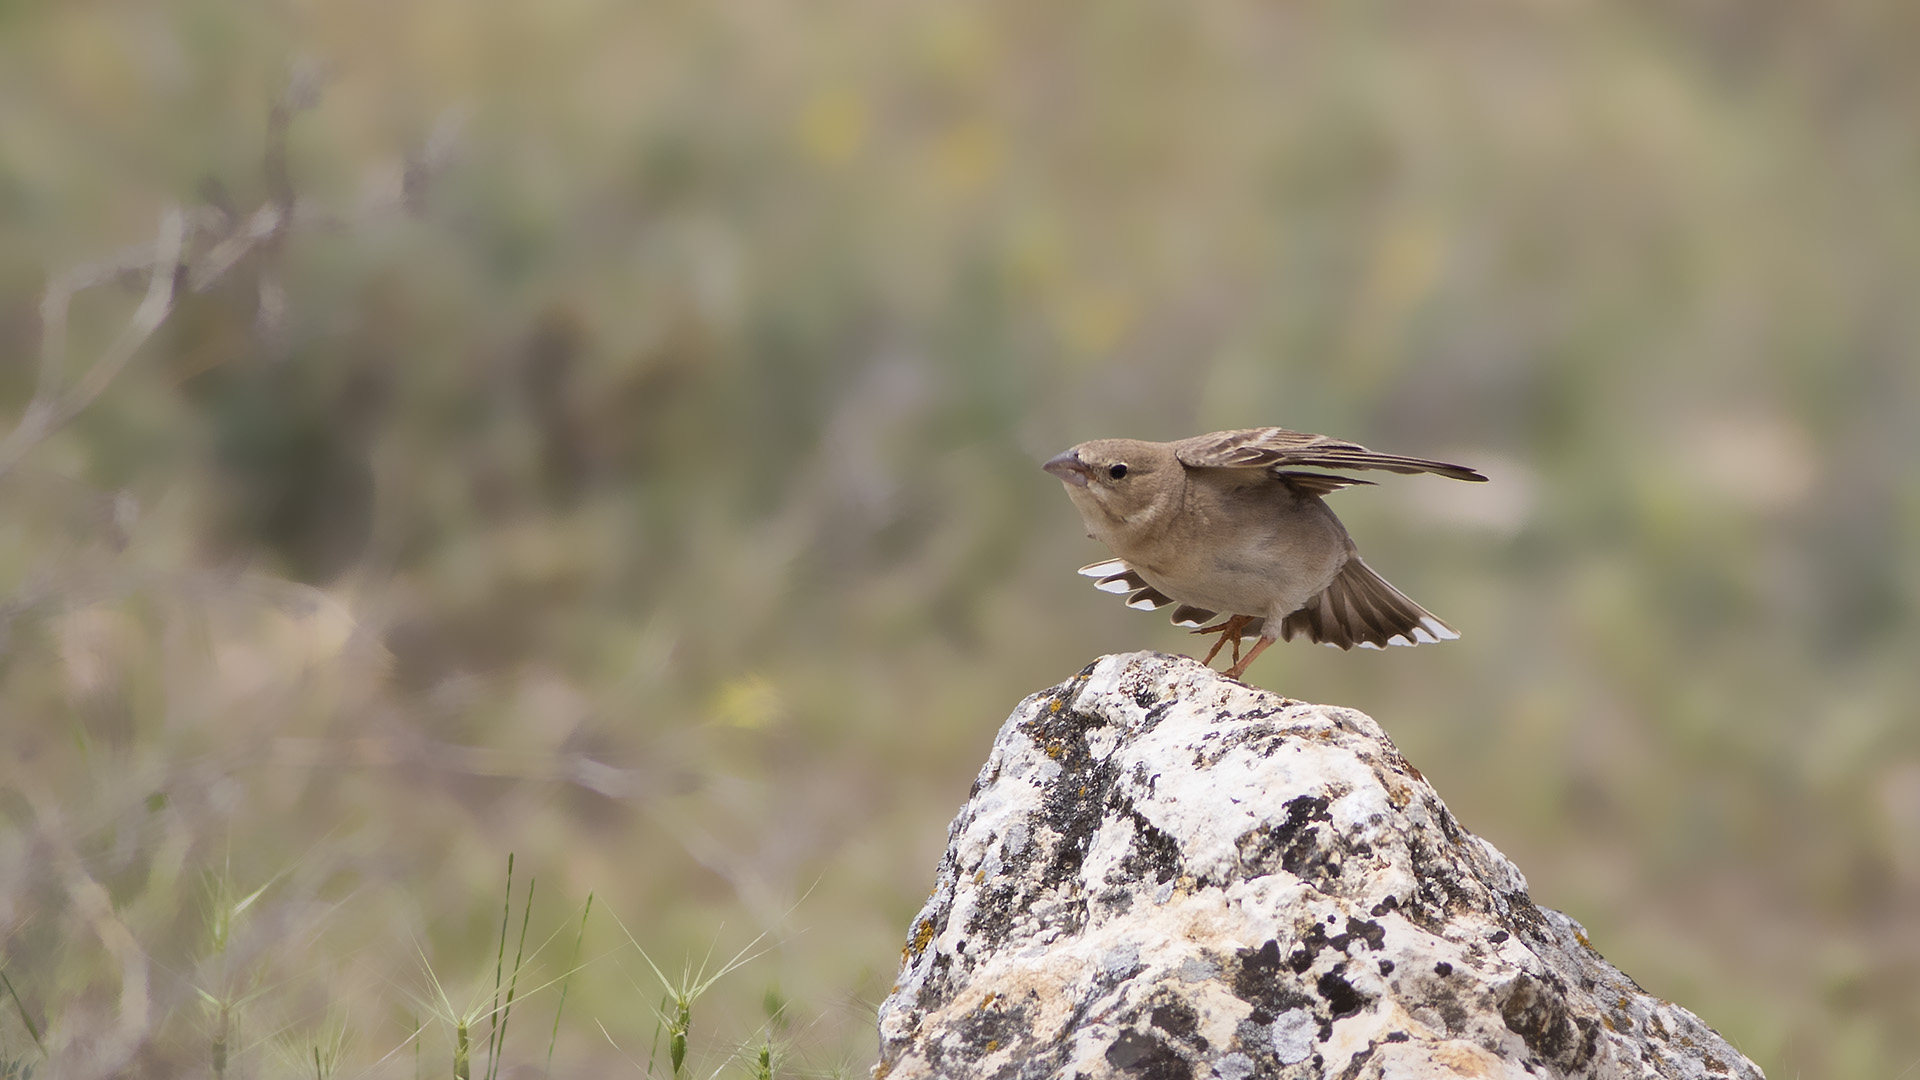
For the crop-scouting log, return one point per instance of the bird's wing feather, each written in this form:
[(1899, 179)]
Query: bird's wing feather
[(1189, 616), (1115, 576), (1307, 483), (1125, 581), (1148, 599), (1276, 448)]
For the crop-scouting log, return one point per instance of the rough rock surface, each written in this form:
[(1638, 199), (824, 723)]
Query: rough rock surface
[(1164, 873)]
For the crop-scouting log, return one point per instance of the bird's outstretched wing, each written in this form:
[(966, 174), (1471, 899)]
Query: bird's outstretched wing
[(1115, 576), (1277, 448)]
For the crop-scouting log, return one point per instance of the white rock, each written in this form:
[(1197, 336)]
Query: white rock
[(1163, 874)]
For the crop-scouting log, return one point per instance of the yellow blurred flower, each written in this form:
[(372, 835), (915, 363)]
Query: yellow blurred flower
[(966, 156), (833, 125), (749, 702)]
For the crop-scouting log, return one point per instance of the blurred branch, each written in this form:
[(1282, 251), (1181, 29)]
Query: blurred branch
[(176, 258), (50, 410), (95, 907), (577, 769), (270, 312)]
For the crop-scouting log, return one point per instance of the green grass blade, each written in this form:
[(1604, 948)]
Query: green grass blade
[(554, 1035), (499, 962), (513, 981), (20, 1007)]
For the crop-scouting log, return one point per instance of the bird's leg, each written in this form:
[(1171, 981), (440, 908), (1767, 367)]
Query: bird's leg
[(1229, 630), (1240, 666)]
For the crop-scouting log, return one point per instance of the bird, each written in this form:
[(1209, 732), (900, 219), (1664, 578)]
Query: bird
[(1231, 525)]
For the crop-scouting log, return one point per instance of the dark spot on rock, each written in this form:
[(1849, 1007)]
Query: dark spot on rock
[(1341, 995), (1311, 943), (1154, 855), (1263, 961), (1384, 906), (1398, 1037), (1499, 936), (1071, 811), (1524, 916), (1262, 982), (1443, 969), (1294, 844), (1148, 1058), (995, 1025), (1156, 711), (1386, 967), (1446, 886), (938, 987), (1534, 1010), (1176, 1018), (1589, 1038), (1372, 933)]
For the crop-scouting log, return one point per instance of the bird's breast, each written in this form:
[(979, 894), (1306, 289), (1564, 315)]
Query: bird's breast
[(1268, 564)]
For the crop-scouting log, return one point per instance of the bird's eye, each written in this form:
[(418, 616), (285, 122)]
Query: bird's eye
[(1117, 471)]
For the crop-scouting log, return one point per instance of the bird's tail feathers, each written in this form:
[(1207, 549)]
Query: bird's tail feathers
[(1360, 608)]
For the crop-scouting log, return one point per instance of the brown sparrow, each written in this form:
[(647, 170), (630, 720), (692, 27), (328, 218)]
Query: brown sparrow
[(1232, 524)]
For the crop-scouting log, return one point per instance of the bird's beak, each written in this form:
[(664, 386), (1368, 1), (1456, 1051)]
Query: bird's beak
[(1068, 467)]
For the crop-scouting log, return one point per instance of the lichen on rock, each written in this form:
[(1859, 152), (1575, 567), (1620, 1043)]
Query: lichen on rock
[(1163, 873)]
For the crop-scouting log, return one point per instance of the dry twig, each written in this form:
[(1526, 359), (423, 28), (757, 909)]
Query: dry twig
[(194, 250)]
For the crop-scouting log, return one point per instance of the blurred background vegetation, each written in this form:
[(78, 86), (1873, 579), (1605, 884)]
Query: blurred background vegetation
[(657, 498)]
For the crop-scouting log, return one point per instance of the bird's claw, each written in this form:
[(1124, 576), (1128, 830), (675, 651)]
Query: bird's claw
[(1229, 630)]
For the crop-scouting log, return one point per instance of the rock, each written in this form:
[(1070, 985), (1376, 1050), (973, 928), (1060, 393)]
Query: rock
[(1163, 873)]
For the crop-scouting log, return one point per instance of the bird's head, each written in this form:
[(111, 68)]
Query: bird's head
[(1115, 482)]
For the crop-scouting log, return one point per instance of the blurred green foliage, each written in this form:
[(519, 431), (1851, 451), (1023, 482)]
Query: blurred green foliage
[(659, 501)]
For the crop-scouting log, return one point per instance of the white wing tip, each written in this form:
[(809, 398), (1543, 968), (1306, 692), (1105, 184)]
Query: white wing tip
[(1104, 569), (1431, 631), (1141, 605), (1114, 585)]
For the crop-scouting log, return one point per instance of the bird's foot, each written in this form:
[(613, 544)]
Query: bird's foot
[(1240, 666), (1229, 630)]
